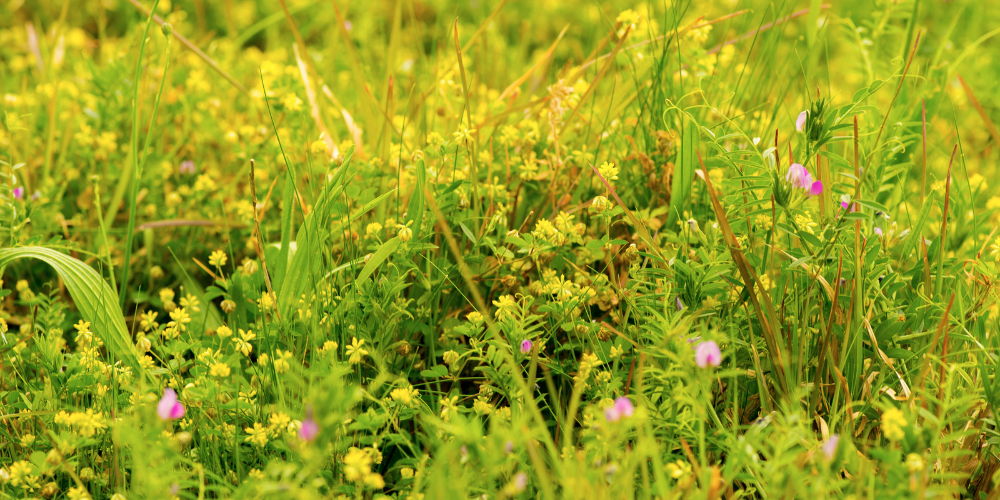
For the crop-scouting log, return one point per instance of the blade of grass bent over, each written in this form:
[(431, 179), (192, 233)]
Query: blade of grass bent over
[(751, 281), (93, 297)]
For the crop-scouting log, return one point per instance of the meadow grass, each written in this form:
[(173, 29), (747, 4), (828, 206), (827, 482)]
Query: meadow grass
[(498, 249)]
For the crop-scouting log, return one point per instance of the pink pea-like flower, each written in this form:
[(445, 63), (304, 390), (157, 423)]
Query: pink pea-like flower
[(799, 176), (800, 122), (169, 408), (520, 482), (816, 189), (622, 408), (525, 346), (830, 446), (19, 192), (309, 429), (187, 167), (878, 231), (708, 354)]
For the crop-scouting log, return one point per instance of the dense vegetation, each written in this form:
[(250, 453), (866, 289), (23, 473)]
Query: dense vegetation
[(498, 249)]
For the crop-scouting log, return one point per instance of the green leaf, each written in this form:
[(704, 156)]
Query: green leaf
[(687, 162), (916, 231), (415, 210), (95, 299), (378, 258), (287, 214)]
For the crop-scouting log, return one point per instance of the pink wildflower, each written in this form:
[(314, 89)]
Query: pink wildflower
[(309, 429), (799, 176), (830, 446), (708, 354), (621, 408), (800, 122), (169, 408), (525, 346)]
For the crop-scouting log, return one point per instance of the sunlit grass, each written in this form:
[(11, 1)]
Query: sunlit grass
[(314, 249)]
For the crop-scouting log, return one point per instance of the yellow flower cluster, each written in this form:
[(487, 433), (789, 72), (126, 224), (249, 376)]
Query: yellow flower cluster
[(357, 465), (86, 424), (893, 422)]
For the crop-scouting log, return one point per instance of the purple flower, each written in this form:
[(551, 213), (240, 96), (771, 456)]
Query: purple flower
[(799, 177), (816, 189), (621, 408), (19, 193), (309, 429), (830, 446), (708, 354), (169, 408), (800, 122), (525, 346), (520, 481), (678, 304), (187, 167), (878, 231)]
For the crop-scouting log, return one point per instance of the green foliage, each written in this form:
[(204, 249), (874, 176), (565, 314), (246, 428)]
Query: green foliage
[(694, 250)]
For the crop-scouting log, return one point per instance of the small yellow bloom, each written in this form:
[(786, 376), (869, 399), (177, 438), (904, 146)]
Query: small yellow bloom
[(218, 258), (281, 364), (609, 171), (219, 370), (257, 435), (355, 352), (328, 346), (404, 395), (893, 422)]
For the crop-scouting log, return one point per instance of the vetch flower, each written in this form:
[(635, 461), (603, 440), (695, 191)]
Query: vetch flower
[(830, 446), (800, 122), (799, 176), (708, 354), (845, 202), (19, 193), (309, 429), (525, 346), (517, 485), (622, 407), (169, 408), (187, 167)]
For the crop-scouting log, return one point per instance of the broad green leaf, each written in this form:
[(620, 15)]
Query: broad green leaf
[(378, 258), (95, 299)]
